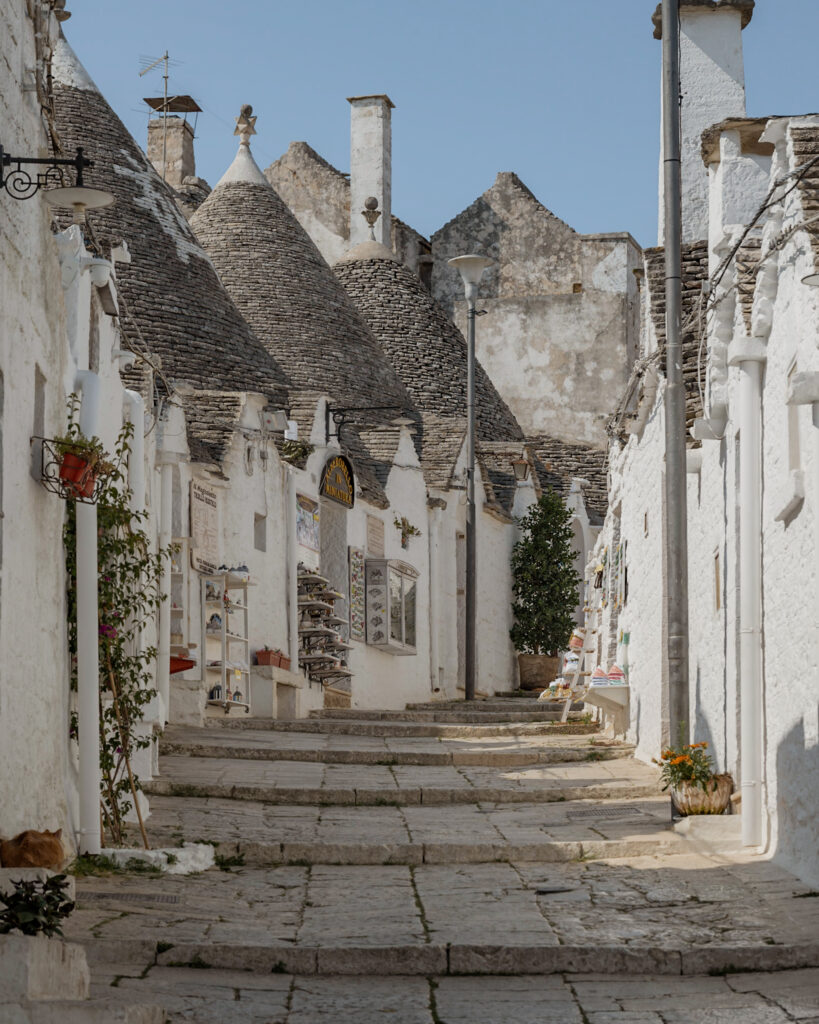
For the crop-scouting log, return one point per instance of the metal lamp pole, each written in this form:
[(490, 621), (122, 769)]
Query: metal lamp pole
[(675, 484), (471, 269)]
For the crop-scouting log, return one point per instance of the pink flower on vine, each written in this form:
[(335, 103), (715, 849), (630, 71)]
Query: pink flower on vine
[(109, 632)]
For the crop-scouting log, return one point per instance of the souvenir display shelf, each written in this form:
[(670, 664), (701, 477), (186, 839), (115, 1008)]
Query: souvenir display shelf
[(225, 640), (181, 645), (322, 649)]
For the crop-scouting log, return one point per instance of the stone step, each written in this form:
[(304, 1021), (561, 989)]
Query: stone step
[(404, 797), (96, 1011), (444, 959), (359, 727), (262, 854), (454, 716), (492, 704), (466, 758), (36, 967)]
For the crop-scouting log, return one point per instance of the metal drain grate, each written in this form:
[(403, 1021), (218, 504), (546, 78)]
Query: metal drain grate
[(127, 897), (604, 812)]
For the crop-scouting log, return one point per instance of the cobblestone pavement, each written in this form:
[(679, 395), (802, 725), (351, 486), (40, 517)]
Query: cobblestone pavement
[(441, 879), (216, 996)]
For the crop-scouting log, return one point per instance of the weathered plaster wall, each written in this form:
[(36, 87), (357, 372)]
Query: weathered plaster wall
[(36, 790), (712, 82), (563, 310)]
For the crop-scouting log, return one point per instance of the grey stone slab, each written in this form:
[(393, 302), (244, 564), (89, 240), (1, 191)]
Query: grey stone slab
[(506, 1000), (425, 960), (234, 956), (558, 959), (340, 1000)]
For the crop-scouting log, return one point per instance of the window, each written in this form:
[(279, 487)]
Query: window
[(260, 532), (391, 590)]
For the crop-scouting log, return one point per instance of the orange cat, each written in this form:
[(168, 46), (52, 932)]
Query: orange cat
[(32, 849)]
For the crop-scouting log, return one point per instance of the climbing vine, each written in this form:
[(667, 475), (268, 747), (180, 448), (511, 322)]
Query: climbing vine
[(129, 595)]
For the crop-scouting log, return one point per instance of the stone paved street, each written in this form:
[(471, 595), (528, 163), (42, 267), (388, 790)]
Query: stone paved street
[(441, 879)]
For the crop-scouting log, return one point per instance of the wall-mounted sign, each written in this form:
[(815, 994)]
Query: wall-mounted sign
[(204, 528), (337, 482), (375, 537), (307, 522), (357, 607)]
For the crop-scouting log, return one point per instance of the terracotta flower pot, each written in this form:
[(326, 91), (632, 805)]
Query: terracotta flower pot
[(272, 658), (537, 670), (284, 662), (78, 475), (692, 799)]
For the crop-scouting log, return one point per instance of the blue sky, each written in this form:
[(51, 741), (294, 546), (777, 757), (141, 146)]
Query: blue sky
[(564, 92)]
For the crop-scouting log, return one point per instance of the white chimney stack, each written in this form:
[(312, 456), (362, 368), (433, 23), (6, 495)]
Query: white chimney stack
[(370, 165), (712, 81)]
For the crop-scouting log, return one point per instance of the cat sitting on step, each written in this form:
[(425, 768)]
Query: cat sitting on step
[(33, 849)]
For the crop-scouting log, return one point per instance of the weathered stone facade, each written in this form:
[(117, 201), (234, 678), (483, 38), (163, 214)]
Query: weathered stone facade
[(563, 309)]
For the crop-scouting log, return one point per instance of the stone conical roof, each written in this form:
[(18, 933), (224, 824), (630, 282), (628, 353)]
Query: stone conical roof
[(427, 350), (173, 299), (290, 296)]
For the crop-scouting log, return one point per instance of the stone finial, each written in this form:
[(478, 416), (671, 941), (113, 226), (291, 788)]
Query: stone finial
[(371, 213), (245, 124)]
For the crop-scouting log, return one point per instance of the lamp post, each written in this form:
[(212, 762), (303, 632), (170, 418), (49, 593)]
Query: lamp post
[(471, 269)]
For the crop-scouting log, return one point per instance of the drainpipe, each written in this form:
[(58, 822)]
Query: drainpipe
[(292, 569), (135, 413), (434, 597), (749, 355), (88, 669), (163, 643)]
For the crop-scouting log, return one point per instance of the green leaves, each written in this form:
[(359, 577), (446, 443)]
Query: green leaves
[(35, 908), (544, 580)]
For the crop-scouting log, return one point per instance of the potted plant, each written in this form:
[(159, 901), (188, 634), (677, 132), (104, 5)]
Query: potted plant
[(545, 587), (695, 787), (82, 459), (266, 656)]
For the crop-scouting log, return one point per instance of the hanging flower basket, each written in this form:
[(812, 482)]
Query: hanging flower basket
[(691, 798)]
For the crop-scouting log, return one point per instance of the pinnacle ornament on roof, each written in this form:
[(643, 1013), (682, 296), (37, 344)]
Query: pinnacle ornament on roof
[(245, 124), (371, 213)]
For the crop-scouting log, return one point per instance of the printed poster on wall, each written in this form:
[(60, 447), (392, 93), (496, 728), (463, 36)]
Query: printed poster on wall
[(357, 607), (375, 537), (204, 527), (307, 522)]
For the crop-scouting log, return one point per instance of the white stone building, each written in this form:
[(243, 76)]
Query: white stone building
[(752, 381)]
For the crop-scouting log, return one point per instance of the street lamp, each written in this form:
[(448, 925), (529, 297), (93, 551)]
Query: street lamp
[(471, 269), (520, 467)]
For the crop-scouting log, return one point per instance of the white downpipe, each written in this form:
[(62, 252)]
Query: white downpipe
[(292, 569), (88, 669), (434, 597), (163, 641), (135, 412), (750, 601)]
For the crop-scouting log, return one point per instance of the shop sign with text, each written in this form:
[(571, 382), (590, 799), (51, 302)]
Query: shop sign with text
[(337, 481)]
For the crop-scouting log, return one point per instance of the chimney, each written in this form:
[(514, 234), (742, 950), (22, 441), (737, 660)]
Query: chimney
[(370, 165), (712, 82), (178, 148)]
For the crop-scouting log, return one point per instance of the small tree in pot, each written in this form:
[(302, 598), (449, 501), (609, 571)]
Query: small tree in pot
[(545, 584)]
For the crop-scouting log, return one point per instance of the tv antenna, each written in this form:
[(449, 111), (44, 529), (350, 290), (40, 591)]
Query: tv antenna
[(165, 104), (166, 60)]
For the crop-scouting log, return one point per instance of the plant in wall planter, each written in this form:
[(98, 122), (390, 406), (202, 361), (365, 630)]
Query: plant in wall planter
[(266, 656), (695, 787), (82, 459), (407, 530), (545, 586)]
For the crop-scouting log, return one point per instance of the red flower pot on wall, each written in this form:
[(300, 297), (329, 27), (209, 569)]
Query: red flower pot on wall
[(78, 475), (270, 658)]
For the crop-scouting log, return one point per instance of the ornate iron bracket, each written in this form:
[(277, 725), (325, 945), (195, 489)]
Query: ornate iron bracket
[(22, 184)]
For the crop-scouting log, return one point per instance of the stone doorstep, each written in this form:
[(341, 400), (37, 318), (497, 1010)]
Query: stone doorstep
[(430, 959), (400, 797), (260, 854), (356, 727), (464, 758), (35, 967), (96, 1011)]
